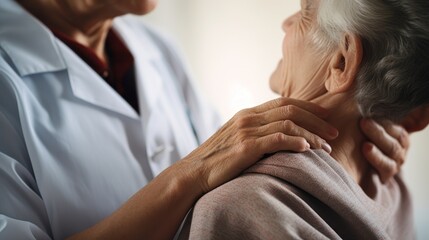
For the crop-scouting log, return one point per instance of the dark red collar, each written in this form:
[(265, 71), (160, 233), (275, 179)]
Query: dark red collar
[(119, 74)]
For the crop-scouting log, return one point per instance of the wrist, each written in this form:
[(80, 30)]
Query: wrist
[(187, 177)]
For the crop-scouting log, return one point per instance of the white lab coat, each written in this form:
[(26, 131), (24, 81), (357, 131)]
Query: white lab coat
[(71, 149)]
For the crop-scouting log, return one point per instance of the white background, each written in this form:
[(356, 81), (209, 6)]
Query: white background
[(232, 46)]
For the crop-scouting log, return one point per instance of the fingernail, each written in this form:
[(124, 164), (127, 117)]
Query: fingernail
[(326, 147), (307, 146), (333, 133), (368, 147)]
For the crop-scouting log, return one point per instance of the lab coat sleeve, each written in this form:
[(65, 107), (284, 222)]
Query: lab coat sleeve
[(22, 211)]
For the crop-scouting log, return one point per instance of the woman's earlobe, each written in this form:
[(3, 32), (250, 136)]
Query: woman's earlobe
[(345, 64)]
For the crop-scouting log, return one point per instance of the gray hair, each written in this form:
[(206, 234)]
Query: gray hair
[(394, 75)]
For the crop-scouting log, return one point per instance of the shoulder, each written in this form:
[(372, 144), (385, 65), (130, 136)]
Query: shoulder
[(297, 195), (250, 194), (308, 170), (276, 185), (253, 206)]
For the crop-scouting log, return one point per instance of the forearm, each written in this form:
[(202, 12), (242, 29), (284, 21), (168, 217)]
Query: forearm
[(155, 212)]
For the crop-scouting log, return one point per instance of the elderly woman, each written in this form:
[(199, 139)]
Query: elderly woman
[(356, 58), (100, 125)]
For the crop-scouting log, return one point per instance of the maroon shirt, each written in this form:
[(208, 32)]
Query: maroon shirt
[(119, 73)]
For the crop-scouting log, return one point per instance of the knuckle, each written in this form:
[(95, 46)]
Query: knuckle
[(244, 112), (279, 137), (241, 113), (278, 101), (293, 109), (288, 111), (317, 141), (377, 159), (386, 170), (392, 172), (289, 125), (388, 125), (404, 139), (243, 121), (377, 128), (396, 151), (282, 101), (246, 146)]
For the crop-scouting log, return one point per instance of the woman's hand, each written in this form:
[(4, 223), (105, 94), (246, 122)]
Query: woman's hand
[(390, 142), (281, 124), (388, 147)]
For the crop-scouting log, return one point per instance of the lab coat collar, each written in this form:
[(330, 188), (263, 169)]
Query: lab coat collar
[(146, 55), (87, 85), (28, 56), (46, 55), (126, 28)]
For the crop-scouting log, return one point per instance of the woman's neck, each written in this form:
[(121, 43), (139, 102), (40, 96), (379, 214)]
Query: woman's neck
[(346, 149), (86, 24)]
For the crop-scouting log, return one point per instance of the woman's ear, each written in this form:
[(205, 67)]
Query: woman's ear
[(345, 64)]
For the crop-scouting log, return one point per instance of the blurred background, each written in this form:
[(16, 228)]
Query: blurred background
[(232, 46)]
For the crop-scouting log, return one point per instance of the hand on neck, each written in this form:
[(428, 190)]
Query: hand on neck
[(346, 149)]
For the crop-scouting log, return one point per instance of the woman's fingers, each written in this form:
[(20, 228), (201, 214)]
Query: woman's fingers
[(289, 128), (389, 144), (283, 102), (401, 136), (385, 166), (300, 117), (281, 142), (388, 147)]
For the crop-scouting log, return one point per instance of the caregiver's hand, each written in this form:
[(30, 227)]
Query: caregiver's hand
[(281, 124)]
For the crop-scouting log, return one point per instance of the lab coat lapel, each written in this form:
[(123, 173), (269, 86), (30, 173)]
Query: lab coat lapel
[(149, 83), (49, 54), (88, 86), (165, 98), (180, 122), (156, 91)]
